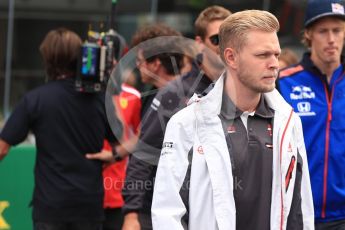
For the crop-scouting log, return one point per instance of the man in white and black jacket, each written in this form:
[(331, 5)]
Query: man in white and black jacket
[(248, 162)]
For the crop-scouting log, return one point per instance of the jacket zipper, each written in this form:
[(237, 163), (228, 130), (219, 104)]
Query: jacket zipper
[(289, 172), (325, 169), (281, 191), (329, 98)]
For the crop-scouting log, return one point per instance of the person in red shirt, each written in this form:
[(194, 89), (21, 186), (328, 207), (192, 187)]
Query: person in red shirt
[(128, 103)]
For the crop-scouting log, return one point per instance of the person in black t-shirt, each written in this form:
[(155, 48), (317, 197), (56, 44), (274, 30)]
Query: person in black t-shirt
[(68, 192)]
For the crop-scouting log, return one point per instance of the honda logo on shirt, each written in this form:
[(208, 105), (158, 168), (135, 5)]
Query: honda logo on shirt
[(304, 109)]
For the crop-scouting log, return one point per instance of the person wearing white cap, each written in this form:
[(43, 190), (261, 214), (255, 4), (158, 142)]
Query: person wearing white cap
[(316, 89)]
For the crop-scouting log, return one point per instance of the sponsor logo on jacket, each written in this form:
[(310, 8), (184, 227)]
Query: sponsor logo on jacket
[(167, 148), (304, 109), (168, 145), (155, 104), (301, 92)]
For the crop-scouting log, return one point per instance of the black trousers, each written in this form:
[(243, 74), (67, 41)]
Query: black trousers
[(113, 219), (77, 225)]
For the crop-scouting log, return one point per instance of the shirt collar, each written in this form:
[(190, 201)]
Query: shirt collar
[(263, 110), (230, 111)]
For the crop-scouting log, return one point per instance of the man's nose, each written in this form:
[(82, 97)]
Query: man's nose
[(274, 62)]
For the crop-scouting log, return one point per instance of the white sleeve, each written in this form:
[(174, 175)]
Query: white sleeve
[(306, 193), (167, 205)]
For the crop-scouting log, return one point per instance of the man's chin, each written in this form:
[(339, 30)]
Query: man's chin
[(267, 89)]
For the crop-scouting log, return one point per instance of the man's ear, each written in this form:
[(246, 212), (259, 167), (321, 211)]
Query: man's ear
[(198, 39), (230, 57), (200, 43), (307, 34)]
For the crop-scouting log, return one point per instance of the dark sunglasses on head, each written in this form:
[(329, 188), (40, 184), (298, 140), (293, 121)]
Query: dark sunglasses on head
[(214, 39)]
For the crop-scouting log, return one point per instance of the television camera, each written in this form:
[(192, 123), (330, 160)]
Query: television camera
[(98, 55)]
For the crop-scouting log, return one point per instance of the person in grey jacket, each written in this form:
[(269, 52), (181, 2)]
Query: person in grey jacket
[(244, 142), (142, 165)]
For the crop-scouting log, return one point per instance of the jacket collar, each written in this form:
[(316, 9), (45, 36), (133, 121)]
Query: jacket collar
[(308, 65), (211, 104), (229, 110)]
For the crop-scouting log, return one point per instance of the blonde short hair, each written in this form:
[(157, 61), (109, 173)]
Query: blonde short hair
[(234, 29)]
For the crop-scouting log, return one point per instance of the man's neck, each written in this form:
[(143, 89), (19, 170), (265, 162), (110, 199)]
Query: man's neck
[(244, 98)]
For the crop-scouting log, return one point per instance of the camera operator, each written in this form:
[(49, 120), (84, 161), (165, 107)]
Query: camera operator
[(67, 124)]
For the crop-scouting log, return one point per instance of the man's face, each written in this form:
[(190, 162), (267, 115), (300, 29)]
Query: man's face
[(213, 64), (145, 68), (257, 62), (327, 40), (212, 30)]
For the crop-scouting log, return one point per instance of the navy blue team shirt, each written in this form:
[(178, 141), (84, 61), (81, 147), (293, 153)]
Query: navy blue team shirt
[(66, 125)]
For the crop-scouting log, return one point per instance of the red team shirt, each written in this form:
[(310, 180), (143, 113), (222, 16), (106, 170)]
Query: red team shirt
[(129, 104)]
